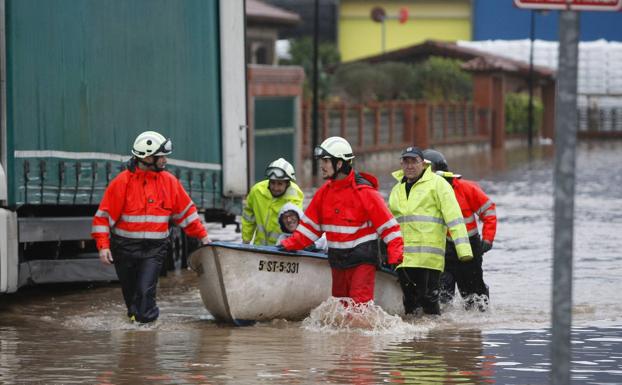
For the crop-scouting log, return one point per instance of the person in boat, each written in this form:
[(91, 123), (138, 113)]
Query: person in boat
[(289, 218), (260, 216), (131, 226), (473, 202), (351, 212), (426, 207)]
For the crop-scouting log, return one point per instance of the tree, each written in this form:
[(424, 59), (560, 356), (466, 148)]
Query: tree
[(301, 51)]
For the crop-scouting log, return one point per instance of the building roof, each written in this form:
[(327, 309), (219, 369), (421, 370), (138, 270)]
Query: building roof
[(474, 60), (259, 12)]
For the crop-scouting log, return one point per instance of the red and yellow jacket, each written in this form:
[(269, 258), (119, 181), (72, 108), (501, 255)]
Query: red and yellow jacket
[(474, 202), (353, 215), (139, 204)]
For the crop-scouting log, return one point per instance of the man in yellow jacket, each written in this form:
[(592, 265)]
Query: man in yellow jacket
[(425, 206), (260, 218)]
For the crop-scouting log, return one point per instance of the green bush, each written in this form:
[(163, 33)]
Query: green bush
[(517, 113), (435, 80), (442, 80), (395, 82), (358, 82)]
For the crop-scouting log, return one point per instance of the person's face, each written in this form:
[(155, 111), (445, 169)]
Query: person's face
[(290, 220), (413, 167), (326, 166), (278, 187), (158, 162)]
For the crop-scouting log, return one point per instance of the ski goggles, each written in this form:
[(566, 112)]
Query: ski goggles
[(276, 173), (165, 148), (319, 152)]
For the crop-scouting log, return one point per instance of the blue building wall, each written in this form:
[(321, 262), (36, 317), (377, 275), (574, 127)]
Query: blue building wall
[(501, 19)]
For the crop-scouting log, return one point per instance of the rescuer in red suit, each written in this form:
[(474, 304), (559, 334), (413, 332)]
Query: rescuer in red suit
[(353, 215)]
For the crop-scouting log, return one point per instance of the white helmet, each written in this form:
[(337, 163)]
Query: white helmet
[(334, 147), (280, 169), (151, 143)]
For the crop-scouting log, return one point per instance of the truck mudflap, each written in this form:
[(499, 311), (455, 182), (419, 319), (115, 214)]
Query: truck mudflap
[(8, 252), (65, 270)]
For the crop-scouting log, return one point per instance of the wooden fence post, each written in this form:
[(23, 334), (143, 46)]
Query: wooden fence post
[(421, 127)]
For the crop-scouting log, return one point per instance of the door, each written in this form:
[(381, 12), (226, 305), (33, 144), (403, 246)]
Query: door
[(274, 128)]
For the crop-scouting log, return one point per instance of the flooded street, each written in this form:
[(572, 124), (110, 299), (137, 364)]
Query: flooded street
[(78, 334)]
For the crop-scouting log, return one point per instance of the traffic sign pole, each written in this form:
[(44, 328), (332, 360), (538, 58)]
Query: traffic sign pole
[(563, 190), (566, 123)]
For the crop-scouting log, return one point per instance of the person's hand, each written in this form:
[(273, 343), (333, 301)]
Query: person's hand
[(486, 246), (280, 247), (205, 240), (465, 258), (105, 256)]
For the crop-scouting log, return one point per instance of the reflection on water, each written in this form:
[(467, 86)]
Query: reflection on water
[(79, 334), (286, 353)]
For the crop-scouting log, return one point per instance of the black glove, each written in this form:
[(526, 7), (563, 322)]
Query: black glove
[(280, 247), (486, 246)]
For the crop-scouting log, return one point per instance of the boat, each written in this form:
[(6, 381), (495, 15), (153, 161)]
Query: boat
[(243, 284)]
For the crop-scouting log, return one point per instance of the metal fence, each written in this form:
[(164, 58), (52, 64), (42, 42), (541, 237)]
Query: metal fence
[(392, 125)]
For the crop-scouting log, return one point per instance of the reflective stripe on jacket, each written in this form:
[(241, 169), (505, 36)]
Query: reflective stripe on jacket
[(353, 215), (139, 204), (424, 216), (473, 201), (260, 216)]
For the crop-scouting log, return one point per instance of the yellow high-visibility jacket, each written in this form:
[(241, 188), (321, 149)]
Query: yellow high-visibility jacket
[(424, 217), (260, 216)]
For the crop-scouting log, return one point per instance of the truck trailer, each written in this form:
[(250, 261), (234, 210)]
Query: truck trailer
[(80, 79)]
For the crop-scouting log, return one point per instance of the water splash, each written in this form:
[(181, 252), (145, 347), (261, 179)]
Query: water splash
[(336, 315)]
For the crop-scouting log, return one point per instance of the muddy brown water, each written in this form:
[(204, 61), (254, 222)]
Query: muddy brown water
[(77, 334)]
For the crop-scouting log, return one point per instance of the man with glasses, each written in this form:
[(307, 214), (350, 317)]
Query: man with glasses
[(130, 227), (260, 217), (425, 206), (351, 212)]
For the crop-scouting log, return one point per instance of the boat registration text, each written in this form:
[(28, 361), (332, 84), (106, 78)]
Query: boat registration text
[(278, 266)]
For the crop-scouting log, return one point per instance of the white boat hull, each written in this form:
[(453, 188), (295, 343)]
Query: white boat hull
[(242, 283)]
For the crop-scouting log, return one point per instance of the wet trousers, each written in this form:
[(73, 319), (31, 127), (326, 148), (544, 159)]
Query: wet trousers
[(355, 282), (468, 276), (138, 264), (421, 288)]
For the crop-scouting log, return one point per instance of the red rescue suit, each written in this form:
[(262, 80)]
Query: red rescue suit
[(473, 201), (139, 204), (353, 216), (468, 276), (136, 210)]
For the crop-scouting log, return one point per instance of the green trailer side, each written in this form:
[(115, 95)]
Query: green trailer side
[(80, 79), (85, 77)]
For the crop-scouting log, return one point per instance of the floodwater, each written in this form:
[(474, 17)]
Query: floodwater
[(77, 334)]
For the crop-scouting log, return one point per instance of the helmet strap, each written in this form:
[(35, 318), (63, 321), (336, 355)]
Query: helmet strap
[(344, 169)]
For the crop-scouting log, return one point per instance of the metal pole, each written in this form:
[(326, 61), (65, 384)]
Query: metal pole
[(314, 129), (564, 181), (384, 35), (530, 109), (250, 163)]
